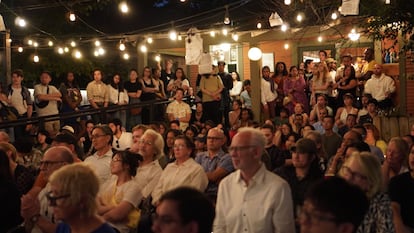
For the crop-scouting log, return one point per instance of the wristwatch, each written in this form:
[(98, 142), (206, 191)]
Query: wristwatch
[(35, 218)]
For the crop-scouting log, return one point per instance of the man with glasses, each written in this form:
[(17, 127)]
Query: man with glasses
[(252, 199), (122, 140), (333, 205), (36, 211), (216, 163)]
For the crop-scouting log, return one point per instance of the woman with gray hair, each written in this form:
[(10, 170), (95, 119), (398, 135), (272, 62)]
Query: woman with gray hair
[(364, 170), (72, 196)]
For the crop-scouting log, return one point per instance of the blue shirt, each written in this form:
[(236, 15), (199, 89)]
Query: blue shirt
[(104, 228), (221, 159)]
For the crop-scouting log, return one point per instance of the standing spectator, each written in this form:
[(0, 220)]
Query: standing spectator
[(346, 84), (323, 55), (118, 96), (122, 140), (211, 86), (250, 187), (98, 95), (237, 86), (179, 110), (179, 81), (225, 94), (19, 98), (321, 82), (149, 89), (381, 87), (47, 98), (245, 95), (293, 88), (102, 138), (279, 77), (134, 89), (156, 74), (71, 98), (167, 74), (268, 94), (215, 162), (275, 155)]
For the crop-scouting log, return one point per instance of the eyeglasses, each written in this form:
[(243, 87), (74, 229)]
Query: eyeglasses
[(164, 219), (46, 163), (236, 149), (346, 171), (148, 143), (52, 199), (314, 218), (181, 146), (116, 160), (96, 136)]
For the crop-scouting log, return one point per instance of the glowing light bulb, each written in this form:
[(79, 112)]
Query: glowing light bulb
[(20, 22), (78, 54), (50, 43), (66, 49), (35, 44), (299, 18), (173, 35), (36, 58), (72, 17), (334, 16), (150, 40), (122, 46), (212, 33), (123, 7), (96, 53), (259, 25), (288, 2), (286, 46), (20, 49), (320, 38), (144, 48), (30, 42), (225, 32), (284, 27), (235, 37), (97, 43), (157, 58), (60, 50), (125, 56), (101, 51), (73, 44)]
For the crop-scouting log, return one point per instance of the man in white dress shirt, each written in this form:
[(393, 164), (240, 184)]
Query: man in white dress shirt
[(252, 199), (122, 140)]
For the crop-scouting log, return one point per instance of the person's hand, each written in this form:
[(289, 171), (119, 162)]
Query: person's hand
[(30, 206)]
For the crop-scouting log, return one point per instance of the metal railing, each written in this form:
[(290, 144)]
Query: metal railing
[(86, 110)]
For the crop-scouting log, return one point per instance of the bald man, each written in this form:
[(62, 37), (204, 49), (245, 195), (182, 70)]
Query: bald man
[(381, 87), (37, 213)]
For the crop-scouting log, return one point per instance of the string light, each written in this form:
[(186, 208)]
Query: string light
[(97, 43), (35, 44), (123, 7), (299, 17), (36, 58), (101, 51), (225, 32), (157, 58), (286, 46), (173, 35), (353, 35), (320, 38), (72, 17), (288, 2), (226, 16), (73, 43), (19, 21), (334, 16), (235, 37), (60, 50), (259, 25), (20, 49), (149, 40), (144, 48), (50, 43), (77, 54), (122, 46), (66, 49), (212, 33), (284, 27), (125, 56)]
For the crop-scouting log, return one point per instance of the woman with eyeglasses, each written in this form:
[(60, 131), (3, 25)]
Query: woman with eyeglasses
[(73, 192), (184, 171), (119, 197), (364, 170)]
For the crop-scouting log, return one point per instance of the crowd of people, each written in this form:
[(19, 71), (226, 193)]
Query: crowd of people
[(315, 163)]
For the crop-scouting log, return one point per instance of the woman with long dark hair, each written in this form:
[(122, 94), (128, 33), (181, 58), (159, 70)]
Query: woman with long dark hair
[(118, 96)]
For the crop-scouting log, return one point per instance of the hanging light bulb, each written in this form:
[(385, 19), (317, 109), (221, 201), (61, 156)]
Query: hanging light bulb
[(144, 48), (101, 51), (66, 49), (60, 50), (35, 44), (284, 27), (72, 17), (173, 35), (150, 40), (30, 42), (50, 43), (77, 54), (123, 7), (353, 35), (125, 56), (334, 16), (235, 37), (286, 46), (259, 25), (20, 49), (96, 53), (288, 2), (212, 33), (387, 2), (97, 43), (320, 38), (179, 37), (73, 43), (226, 16), (36, 58), (157, 58), (19, 21), (299, 17), (122, 46), (225, 32)]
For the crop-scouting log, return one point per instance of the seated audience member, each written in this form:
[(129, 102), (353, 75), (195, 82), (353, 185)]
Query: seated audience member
[(198, 118), (304, 172), (119, 197), (188, 206), (322, 212), (349, 124), (331, 140), (85, 140), (348, 108), (168, 156), (43, 140), (200, 143), (35, 210), (409, 139), (283, 118), (381, 87), (69, 141), (102, 137), (21, 176), (299, 118), (245, 95), (9, 196), (372, 113), (373, 148), (281, 135), (275, 154), (27, 155), (179, 110), (321, 104), (395, 161), (250, 187), (401, 191), (215, 162), (191, 131), (121, 140), (184, 171), (364, 170), (175, 124), (305, 129), (321, 156), (137, 131), (73, 190), (318, 125)]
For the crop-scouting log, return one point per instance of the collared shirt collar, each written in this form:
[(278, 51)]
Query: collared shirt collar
[(257, 178)]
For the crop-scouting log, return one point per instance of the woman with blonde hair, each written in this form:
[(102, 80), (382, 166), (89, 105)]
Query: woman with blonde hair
[(73, 192), (395, 161), (364, 170), (321, 82)]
